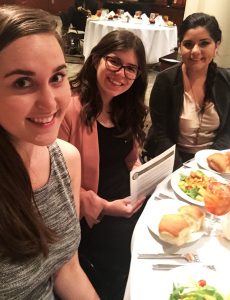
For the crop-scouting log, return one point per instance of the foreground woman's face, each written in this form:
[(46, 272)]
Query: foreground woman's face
[(34, 87)]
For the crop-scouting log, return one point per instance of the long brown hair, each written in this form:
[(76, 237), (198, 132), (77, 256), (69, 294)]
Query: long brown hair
[(23, 233), (128, 111)]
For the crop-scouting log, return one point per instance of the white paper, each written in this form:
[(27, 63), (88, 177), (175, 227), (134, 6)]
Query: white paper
[(145, 178)]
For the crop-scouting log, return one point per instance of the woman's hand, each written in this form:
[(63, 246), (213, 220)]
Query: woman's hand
[(125, 207)]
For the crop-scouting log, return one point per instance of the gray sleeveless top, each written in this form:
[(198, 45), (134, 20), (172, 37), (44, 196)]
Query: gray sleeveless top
[(33, 279)]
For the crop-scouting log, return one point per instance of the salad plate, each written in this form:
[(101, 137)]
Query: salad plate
[(183, 172), (167, 206), (196, 277)]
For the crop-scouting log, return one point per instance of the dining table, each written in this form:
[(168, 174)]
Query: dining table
[(158, 40), (146, 283)]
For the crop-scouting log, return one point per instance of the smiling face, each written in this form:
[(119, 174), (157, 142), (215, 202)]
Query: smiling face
[(111, 84), (197, 49), (34, 89)]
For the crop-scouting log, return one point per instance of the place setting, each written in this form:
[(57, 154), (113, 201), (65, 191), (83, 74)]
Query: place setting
[(214, 161)]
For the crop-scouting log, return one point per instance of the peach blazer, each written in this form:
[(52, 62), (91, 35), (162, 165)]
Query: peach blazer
[(75, 132)]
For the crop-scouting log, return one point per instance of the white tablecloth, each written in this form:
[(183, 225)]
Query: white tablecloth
[(158, 40), (143, 282)]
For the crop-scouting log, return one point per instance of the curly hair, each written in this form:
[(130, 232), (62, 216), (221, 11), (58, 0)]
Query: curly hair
[(128, 111)]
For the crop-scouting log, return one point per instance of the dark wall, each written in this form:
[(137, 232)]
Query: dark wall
[(53, 6), (175, 13)]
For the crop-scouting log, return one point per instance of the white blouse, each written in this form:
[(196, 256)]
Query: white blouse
[(197, 125)]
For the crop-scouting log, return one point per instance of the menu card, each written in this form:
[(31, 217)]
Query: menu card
[(145, 178)]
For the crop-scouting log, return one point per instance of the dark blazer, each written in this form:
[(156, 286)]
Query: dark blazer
[(166, 102)]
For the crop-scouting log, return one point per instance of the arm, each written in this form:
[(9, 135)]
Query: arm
[(93, 207), (221, 90), (164, 111), (222, 140), (160, 107), (70, 282)]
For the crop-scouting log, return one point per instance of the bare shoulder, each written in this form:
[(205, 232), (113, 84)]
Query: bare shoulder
[(70, 153)]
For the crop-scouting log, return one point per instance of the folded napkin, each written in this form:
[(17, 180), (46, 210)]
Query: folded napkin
[(159, 21), (127, 14), (111, 13), (145, 18)]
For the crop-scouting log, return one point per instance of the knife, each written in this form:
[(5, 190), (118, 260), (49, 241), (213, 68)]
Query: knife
[(159, 255), (171, 266)]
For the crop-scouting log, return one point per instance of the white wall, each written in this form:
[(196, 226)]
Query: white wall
[(220, 9)]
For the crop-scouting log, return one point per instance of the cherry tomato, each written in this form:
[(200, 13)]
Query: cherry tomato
[(202, 283)]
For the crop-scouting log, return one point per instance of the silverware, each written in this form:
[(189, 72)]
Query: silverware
[(186, 164), (171, 266), (190, 257)]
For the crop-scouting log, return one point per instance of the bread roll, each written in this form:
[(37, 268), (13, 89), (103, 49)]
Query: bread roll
[(194, 215), (219, 162), (174, 229)]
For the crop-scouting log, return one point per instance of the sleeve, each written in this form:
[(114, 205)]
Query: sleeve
[(222, 101), (159, 137), (91, 206), (222, 140), (71, 130)]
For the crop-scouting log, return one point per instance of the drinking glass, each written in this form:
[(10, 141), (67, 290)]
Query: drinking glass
[(217, 203)]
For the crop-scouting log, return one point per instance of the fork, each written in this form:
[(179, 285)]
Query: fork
[(190, 257), (172, 266)]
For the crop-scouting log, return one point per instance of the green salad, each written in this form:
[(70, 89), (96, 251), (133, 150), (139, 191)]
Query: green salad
[(199, 291), (195, 184)]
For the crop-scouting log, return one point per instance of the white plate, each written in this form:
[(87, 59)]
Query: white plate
[(187, 275), (167, 206), (186, 171), (201, 159)]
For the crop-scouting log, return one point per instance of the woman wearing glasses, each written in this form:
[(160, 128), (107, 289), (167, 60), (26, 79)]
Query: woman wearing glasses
[(105, 122)]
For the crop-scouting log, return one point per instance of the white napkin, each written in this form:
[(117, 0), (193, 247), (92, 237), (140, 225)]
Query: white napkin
[(127, 14), (159, 21), (111, 13), (226, 225), (145, 18)]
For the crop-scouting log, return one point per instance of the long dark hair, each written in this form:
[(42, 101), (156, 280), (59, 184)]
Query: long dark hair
[(211, 25), (128, 111), (23, 233)]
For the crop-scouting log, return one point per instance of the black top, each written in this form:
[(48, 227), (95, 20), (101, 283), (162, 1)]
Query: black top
[(166, 102), (105, 248), (114, 175)]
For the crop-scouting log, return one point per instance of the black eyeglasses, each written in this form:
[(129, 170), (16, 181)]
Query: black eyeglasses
[(114, 64)]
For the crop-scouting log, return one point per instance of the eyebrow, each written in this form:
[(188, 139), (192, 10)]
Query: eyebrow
[(204, 39), (30, 73), (118, 58)]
